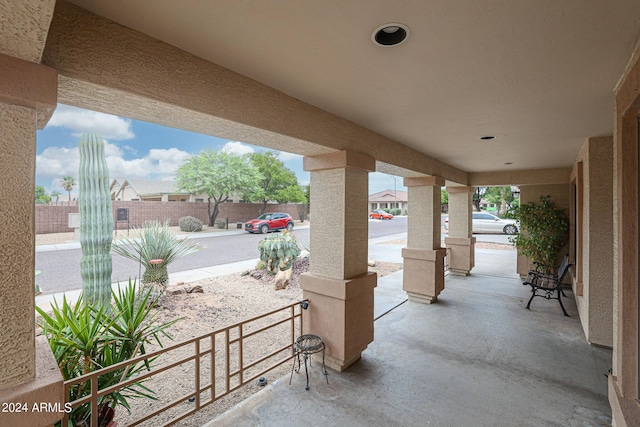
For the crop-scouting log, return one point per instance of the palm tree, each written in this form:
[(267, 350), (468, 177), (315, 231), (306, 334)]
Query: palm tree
[(68, 182)]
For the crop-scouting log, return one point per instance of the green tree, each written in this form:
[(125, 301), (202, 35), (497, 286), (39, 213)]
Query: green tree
[(444, 196), (68, 182), (307, 194), (500, 196), (278, 183), (477, 197), (219, 175), (41, 196), (55, 195)]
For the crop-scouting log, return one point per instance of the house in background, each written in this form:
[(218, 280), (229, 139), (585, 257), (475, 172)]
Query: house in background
[(135, 190), (388, 199)]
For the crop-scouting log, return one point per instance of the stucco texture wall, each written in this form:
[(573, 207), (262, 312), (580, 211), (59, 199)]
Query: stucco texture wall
[(17, 155), (595, 305)]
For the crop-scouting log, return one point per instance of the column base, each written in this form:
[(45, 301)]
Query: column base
[(423, 277), (422, 299), (43, 396), (341, 312), (461, 255)]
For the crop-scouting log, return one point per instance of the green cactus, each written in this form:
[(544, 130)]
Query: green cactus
[(279, 251), (96, 220), (156, 274)]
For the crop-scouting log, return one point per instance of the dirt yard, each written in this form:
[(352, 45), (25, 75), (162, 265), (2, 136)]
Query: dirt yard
[(226, 300)]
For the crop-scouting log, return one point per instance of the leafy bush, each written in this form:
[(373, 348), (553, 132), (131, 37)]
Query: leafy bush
[(512, 209), (279, 251), (190, 224), (544, 230), (221, 223), (405, 212), (91, 336), (395, 211)]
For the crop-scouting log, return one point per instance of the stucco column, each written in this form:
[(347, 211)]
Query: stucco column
[(338, 284), (423, 277), (461, 243), (28, 372)]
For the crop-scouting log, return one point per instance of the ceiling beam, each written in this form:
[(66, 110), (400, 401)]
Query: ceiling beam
[(140, 77)]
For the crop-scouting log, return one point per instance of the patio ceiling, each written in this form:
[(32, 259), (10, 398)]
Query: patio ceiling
[(539, 76)]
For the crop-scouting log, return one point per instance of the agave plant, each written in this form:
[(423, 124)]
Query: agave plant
[(155, 248), (86, 337)]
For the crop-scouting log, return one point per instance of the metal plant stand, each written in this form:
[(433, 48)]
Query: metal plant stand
[(307, 345)]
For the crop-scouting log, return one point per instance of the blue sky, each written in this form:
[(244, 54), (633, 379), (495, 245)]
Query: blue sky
[(136, 149)]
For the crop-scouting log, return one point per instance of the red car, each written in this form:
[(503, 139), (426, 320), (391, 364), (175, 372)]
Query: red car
[(379, 214), (269, 221)]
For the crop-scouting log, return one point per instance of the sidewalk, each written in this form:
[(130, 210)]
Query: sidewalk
[(389, 294)]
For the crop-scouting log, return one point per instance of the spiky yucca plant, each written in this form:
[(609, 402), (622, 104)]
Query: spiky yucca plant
[(155, 248), (88, 336)]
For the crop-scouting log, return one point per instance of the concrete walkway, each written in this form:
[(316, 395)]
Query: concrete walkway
[(475, 358)]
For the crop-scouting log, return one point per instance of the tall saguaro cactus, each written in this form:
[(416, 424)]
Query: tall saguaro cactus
[(96, 220)]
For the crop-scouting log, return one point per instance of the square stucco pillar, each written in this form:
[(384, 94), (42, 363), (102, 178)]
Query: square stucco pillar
[(461, 243), (423, 277), (338, 284), (28, 372)]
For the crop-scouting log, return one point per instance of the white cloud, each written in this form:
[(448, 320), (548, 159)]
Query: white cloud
[(379, 181), (285, 157), (56, 162), (236, 147), (80, 121)]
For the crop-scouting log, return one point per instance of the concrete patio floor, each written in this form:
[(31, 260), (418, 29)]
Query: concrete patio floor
[(475, 358)]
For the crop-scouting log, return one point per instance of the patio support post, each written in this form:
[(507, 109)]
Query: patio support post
[(461, 243), (28, 373), (338, 284), (423, 277)]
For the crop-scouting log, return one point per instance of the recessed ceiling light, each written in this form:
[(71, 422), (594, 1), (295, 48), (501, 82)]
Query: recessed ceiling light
[(392, 34), (487, 137)]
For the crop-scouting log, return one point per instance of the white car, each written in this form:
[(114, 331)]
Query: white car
[(483, 222)]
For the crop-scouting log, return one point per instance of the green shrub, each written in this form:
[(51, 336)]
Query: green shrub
[(279, 251), (91, 336), (221, 223), (395, 211), (544, 230), (190, 224)]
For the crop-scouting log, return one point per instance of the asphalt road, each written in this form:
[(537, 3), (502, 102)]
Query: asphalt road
[(60, 270)]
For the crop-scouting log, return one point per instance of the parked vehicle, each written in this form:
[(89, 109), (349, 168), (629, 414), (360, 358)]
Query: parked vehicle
[(379, 214), (269, 221), (483, 222)]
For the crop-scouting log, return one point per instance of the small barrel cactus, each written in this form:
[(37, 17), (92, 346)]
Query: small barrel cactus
[(279, 251), (96, 220), (190, 224)]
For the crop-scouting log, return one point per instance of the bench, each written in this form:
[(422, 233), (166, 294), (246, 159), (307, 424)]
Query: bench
[(548, 284)]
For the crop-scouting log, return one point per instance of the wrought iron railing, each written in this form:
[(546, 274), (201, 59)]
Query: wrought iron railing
[(220, 365), (447, 258)]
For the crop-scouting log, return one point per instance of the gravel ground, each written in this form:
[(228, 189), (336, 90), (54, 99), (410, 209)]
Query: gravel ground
[(226, 300)]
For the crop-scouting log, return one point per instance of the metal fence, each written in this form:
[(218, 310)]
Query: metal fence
[(218, 361), (447, 257)]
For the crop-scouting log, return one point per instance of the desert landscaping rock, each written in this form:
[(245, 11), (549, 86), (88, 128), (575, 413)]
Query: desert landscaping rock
[(226, 300)]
